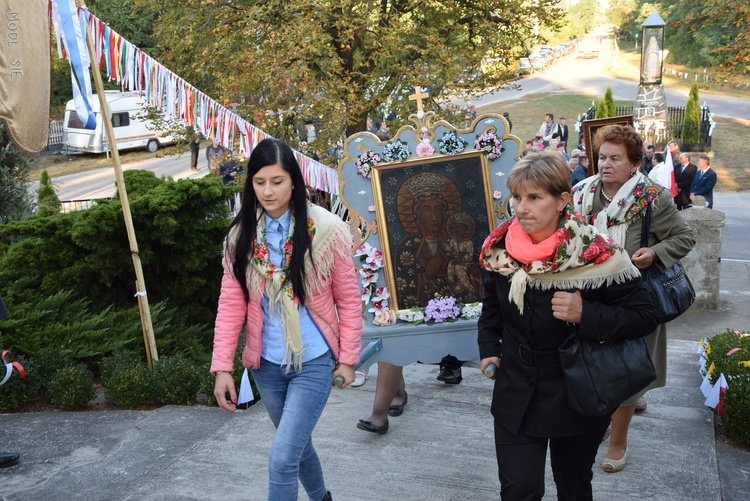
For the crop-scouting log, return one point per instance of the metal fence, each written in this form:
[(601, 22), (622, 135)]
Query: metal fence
[(55, 132), (67, 206), (674, 130)]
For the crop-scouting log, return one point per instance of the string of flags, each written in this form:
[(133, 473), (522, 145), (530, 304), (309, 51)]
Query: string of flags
[(135, 70)]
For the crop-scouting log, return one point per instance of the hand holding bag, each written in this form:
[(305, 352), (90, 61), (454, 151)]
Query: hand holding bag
[(601, 376), (670, 290)]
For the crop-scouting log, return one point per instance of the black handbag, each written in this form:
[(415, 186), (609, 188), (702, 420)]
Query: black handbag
[(670, 291), (601, 376)]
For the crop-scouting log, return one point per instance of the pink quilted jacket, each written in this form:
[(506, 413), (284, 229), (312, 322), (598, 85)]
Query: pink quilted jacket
[(335, 307)]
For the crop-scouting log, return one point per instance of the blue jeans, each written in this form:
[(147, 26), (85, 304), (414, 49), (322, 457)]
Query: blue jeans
[(295, 401)]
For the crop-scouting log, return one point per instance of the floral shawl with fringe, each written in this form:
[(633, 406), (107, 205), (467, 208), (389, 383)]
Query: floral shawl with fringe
[(329, 236), (584, 259)]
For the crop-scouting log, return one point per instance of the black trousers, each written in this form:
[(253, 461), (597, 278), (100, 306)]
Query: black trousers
[(194, 158), (521, 462)]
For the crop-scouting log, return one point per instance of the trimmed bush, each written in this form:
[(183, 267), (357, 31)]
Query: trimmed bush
[(127, 381), (72, 387), (176, 381), (16, 391), (50, 362), (721, 344), (737, 407), (726, 353)]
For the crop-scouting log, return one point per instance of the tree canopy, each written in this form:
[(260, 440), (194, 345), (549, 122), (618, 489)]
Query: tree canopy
[(338, 62), (711, 33)]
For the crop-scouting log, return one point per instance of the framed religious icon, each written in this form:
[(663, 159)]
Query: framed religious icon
[(590, 127), (433, 214)]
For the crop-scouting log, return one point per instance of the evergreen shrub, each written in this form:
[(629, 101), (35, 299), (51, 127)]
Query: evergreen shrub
[(72, 387), (737, 407), (16, 391), (736, 400), (127, 381), (176, 381)]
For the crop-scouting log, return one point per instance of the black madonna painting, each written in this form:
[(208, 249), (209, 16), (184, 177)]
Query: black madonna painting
[(434, 218)]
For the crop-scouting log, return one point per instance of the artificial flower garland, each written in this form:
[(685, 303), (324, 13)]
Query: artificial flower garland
[(490, 145)]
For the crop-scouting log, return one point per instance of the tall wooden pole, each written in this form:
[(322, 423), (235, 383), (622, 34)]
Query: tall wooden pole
[(140, 284)]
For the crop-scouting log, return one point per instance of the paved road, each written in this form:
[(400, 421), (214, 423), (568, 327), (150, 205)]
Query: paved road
[(100, 183)]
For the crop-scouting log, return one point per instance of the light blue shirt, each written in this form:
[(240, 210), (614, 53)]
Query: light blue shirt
[(272, 336)]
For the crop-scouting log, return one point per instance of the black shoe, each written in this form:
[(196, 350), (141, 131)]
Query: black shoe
[(327, 497), (450, 376), (368, 426), (8, 459), (397, 410)]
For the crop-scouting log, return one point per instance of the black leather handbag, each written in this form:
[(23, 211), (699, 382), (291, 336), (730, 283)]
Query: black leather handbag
[(601, 376), (670, 291)]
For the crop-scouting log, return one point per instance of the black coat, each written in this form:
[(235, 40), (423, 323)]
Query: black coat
[(683, 177), (530, 397)]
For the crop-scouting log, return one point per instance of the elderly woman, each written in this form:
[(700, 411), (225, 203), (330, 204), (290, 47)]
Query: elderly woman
[(615, 201), (550, 275)]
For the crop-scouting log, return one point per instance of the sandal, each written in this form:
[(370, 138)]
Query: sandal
[(615, 465)]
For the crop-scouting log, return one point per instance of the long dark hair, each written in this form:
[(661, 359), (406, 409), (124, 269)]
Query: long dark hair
[(271, 152)]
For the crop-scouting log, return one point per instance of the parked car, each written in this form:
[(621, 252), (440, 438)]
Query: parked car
[(524, 66)]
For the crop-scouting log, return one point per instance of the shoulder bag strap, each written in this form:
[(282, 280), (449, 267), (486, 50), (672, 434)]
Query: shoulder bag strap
[(645, 226)]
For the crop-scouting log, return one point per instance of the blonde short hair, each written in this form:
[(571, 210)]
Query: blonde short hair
[(546, 169)]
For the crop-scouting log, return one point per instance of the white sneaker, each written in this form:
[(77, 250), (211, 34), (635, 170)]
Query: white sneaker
[(359, 379)]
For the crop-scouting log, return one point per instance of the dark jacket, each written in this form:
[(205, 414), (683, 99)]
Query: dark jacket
[(705, 186), (684, 176), (647, 164), (530, 396), (578, 174)]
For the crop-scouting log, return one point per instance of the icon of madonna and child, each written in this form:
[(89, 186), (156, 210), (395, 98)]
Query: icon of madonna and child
[(437, 251)]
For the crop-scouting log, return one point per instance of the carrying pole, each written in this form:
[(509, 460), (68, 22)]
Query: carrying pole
[(140, 284)]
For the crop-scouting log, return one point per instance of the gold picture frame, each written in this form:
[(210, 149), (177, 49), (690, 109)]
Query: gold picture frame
[(590, 127), (433, 216)]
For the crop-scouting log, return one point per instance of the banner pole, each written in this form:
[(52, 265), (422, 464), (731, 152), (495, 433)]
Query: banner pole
[(148, 329)]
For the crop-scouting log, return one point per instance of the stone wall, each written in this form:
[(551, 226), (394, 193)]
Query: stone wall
[(703, 263)]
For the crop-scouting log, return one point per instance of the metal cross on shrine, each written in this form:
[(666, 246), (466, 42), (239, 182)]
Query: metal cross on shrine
[(418, 96)]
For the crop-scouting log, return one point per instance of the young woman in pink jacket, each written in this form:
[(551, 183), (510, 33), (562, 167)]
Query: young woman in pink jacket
[(290, 281)]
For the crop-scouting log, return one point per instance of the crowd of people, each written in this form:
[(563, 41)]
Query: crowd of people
[(309, 323), (689, 180)]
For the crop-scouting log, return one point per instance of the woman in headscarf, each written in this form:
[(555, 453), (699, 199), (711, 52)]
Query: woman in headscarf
[(615, 201), (550, 275)]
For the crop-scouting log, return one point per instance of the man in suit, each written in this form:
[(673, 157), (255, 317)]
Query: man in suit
[(562, 129), (684, 173), (704, 182)]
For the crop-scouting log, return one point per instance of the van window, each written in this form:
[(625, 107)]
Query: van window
[(74, 122), (120, 119)]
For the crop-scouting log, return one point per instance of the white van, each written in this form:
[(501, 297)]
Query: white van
[(130, 130)]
